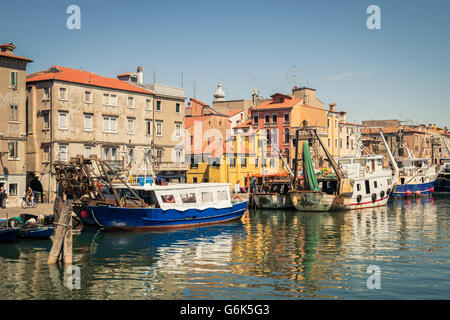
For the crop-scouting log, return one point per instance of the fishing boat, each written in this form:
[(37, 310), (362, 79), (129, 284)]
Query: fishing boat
[(8, 234), (8, 230), (361, 182), (273, 194), (442, 184), (31, 229), (172, 206), (416, 178)]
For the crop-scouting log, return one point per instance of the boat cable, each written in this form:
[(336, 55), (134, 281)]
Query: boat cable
[(93, 215)]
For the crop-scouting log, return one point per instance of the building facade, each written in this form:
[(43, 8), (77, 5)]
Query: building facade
[(73, 112), (13, 123)]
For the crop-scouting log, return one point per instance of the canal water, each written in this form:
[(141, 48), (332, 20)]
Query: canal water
[(267, 255)]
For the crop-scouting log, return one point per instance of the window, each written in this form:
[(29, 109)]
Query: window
[(105, 99), (286, 135), (168, 198), (131, 156), (110, 124), (335, 123), (158, 106), (130, 125), (177, 156), (328, 123), (194, 180), (159, 155), (358, 187), (266, 118), (375, 185), (274, 118), (113, 100), (177, 129), (148, 104), (335, 143), (188, 198), (255, 119), (13, 113), (14, 79), (62, 152), (13, 189), (62, 120), (159, 128), (367, 186), (222, 195), (244, 162), (45, 117), (286, 117), (87, 122), (232, 162), (256, 162), (207, 197), (13, 150), (109, 153), (329, 143), (46, 154), (62, 93), (148, 127), (130, 103), (88, 96), (46, 94), (87, 151), (177, 108)]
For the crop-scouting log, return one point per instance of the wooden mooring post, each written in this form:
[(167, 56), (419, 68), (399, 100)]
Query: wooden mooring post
[(62, 241)]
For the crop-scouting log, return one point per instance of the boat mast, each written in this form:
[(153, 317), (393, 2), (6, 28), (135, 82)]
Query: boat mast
[(330, 157), (391, 156), (296, 160)]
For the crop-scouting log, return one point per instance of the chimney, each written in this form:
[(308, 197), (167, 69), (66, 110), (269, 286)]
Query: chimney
[(332, 106), (8, 47), (140, 75)]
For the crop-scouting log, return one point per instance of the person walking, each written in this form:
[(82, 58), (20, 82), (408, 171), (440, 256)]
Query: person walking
[(3, 197)]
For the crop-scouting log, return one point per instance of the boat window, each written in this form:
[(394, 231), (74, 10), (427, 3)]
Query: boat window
[(207, 197), (344, 161), (358, 187), (362, 162), (367, 186), (222, 195), (389, 182), (188, 198), (374, 184), (168, 198)]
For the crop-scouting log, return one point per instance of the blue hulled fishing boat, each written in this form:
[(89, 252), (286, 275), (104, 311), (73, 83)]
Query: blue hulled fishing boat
[(169, 207), (8, 234), (416, 178)]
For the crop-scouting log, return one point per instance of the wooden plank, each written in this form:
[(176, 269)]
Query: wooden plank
[(60, 231), (68, 242)]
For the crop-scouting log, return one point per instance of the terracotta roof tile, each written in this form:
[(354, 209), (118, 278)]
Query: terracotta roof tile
[(83, 77), (10, 55)]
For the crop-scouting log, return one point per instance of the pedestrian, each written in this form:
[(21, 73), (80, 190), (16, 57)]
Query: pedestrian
[(3, 197)]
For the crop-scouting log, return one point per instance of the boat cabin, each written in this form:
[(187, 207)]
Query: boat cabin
[(181, 196)]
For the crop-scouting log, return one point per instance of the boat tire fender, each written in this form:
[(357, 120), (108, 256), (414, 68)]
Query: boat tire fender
[(374, 197), (382, 194), (358, 198)]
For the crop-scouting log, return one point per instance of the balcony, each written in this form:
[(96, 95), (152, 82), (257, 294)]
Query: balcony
[(171, 166)]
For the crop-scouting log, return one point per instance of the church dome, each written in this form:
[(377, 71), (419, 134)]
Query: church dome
[(219, 95)]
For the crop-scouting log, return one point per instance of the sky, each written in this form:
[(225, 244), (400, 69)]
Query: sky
[(400, 71)]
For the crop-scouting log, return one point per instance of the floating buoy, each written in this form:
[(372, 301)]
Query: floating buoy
[(417, 193), (84, 214), (431, 189), (408, 193)]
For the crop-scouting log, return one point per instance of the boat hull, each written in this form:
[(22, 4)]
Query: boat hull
[(272, 201), (423, 188), (443, 183), (141, 219), (43, 233), (313, 201), (9, 234)]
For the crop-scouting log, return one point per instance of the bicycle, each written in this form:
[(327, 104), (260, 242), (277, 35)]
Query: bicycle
[(28, 202)]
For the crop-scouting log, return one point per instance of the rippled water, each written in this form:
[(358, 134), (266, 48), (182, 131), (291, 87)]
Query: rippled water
[(267, 255)]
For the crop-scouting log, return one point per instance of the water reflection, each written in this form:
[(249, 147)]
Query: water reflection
[(268, 255)]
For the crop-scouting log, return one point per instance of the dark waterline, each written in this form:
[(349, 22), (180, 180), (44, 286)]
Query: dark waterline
[(267, 255)]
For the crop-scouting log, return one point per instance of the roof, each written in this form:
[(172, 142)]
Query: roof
[(270, 104), (234, 112), (11, 46), (199, 102), (245, 124), (83, 77)]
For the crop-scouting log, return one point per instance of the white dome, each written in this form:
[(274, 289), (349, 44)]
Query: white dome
[(219, 95)]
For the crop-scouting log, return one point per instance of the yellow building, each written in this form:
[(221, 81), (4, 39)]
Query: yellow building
[(236, 160)]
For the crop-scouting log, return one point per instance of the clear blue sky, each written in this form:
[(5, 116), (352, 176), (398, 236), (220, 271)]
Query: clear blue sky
[(401, 71)]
